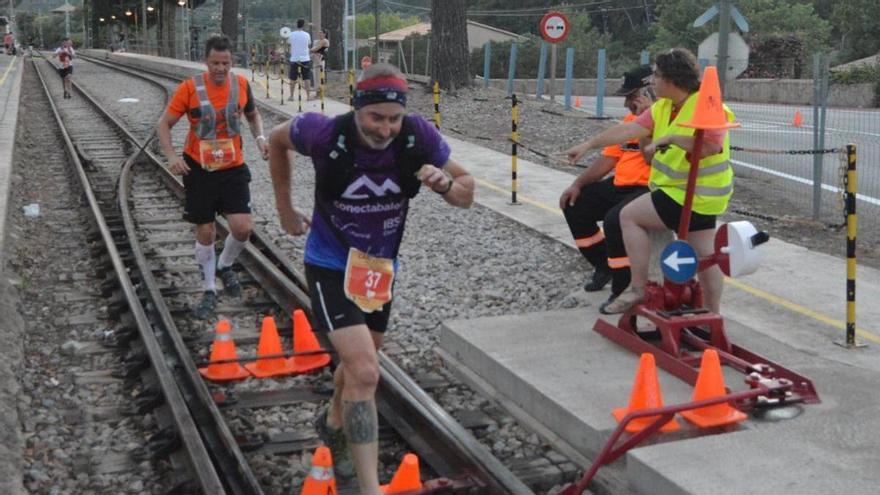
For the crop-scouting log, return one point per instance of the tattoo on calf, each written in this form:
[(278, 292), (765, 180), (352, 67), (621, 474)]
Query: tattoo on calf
[(359, 421)]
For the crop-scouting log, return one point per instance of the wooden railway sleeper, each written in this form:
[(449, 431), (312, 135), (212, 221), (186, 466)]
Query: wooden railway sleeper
[(159, 446)]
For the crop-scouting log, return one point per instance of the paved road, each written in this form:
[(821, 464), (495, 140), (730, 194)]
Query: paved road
[(768, 126)]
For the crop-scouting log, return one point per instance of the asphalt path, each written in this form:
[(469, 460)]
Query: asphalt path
[(771, 127)]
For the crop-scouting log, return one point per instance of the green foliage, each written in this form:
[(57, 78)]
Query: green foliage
[(857, 28), (365, 26)]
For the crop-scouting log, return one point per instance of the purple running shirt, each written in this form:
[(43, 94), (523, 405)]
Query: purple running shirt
[(371, 212)]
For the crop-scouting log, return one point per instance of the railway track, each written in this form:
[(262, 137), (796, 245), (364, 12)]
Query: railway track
[(219, 435)]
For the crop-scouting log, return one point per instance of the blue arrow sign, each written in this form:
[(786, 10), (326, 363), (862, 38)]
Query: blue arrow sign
[(679, 261), (707, 16), (739, 19)]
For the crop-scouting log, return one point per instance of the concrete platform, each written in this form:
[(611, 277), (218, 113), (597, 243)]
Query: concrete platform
[(11, 443), (555, 368)]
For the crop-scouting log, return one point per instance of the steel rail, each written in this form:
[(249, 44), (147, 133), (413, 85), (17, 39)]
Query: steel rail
[(197, 454), (447, 446)]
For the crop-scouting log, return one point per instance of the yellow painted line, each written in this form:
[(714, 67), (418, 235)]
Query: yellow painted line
[(8, 70), (772, 298), (797, 308), (519, 197)]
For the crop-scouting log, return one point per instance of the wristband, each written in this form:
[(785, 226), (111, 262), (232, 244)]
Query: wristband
[(260, 137), (448, 188)]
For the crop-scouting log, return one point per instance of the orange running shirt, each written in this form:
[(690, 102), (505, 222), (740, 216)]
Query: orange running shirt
[(186, 100), (631, 168)]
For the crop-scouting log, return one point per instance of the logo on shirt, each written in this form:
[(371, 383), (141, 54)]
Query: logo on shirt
[(364, 187)]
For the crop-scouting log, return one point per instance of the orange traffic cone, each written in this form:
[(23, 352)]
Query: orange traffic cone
[(645, 394), (577, 101), (223, 349), (709, 113), (269, 345), (406, 479), (798, 120), (710, 383), (304, 340), (320, 480)]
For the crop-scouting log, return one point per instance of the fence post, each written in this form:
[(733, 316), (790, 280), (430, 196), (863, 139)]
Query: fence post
[(436, 105), (569, 71), (514, 139), (645, 58), (542, 65), (511, 69), (851, 184), (487, 63), (600, 84), (820, 89)]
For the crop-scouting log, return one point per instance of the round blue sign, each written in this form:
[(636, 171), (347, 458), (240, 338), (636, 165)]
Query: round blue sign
[(679, 261)]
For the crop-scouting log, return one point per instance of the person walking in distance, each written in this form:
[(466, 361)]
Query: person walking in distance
[(215, 175), (300, 59), (368, 164), (65, 54)]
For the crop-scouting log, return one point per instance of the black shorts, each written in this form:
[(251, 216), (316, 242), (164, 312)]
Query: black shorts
[(65, 71), (300, 69), (211, 193), (670, 212), (332, 310)]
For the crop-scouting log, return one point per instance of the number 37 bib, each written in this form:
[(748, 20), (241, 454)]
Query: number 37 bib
[(368, 280)]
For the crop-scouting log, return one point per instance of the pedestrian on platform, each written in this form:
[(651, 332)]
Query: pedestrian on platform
[(591, 197), (676, 83), (215, 175), (319, 50), (65, 55), (368, 164), (300, 58)]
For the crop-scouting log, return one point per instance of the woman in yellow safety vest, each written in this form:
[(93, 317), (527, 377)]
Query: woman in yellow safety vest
[(676, 83)]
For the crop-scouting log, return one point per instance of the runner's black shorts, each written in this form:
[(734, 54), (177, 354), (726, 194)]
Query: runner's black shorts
[(65, 71), (332, 310), (211, 193), (305, 67), (670, 212)]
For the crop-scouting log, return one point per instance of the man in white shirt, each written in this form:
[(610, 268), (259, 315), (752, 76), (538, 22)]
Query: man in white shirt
[(300, 59)]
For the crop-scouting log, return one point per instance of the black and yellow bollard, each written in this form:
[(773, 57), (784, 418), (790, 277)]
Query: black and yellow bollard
[(253, 62), (281, 84), (514, 138), (851, 185), (321, 89), (351, 88), (299, 85), (437, 105)]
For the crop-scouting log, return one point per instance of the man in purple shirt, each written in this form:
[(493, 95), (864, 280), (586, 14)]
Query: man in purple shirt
[(368, 165)]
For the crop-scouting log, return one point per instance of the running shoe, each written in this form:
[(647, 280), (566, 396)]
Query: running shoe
[(231, 285), (334, 439), (206, 306)]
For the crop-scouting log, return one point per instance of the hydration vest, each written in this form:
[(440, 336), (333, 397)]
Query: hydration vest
[(332, 180), (206, 125)]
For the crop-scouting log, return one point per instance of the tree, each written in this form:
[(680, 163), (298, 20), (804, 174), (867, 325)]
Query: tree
[(449, 44), (331, 20), (229, 20)]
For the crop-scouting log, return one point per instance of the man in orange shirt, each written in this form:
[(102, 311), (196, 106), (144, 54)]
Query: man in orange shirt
[(213, 169), (590, 198)]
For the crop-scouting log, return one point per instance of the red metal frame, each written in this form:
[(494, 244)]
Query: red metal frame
[(685, 331)]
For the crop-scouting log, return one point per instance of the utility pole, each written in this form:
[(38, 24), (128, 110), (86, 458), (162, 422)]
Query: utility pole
[(723, 36), (316, 17)]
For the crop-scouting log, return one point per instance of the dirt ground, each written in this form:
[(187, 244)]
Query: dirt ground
[(482, 116)]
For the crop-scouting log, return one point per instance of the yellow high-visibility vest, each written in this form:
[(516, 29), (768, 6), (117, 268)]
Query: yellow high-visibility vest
[(669, 170)]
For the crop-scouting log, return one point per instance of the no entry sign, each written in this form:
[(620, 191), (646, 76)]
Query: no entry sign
[(555, 27)]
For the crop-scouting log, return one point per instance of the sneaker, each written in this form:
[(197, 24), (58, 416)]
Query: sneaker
[(231, 285), (334, 439), (206, 306), (622, 303), (601, 277)]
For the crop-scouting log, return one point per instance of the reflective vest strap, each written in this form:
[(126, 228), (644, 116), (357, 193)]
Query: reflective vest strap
[(206, 127), (702, 172), (703, 190)]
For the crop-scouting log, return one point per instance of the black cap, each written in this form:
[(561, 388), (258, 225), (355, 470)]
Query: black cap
[(634, 80)]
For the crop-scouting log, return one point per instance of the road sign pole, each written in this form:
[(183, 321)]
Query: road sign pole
[(553, 73), (569, 72), (542, 68), (723, 34), (600, 84)]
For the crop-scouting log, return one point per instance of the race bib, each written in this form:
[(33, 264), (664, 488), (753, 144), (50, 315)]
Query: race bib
[(216, 154), (368, 280)]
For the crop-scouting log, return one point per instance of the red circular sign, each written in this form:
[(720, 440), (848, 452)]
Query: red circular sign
[(555, 27)]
